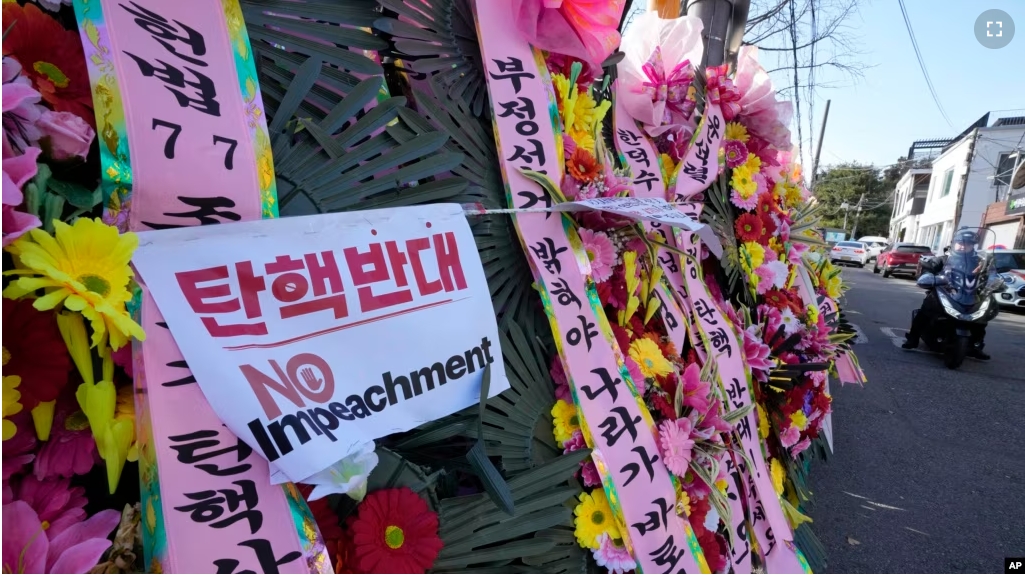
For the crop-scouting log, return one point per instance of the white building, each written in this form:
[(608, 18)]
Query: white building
[(963, 180), (908, 204)]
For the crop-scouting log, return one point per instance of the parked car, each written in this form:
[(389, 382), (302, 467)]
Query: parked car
[(901, 258), (854, 253), (875, 245), (1010, 264)]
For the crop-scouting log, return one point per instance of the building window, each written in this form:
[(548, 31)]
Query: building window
[(948, 177), (1002, 177)]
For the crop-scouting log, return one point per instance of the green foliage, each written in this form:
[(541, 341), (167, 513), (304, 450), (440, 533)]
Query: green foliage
[(847, 183)]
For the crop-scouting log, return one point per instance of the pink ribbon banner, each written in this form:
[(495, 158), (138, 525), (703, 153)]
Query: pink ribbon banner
[(617, 428), (184, 143), (700, 167)]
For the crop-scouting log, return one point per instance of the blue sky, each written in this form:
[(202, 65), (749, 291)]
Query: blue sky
[(874, 119)]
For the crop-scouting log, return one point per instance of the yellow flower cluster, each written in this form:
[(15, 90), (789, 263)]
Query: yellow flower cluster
[(12, 405), (778, 475), (579, 112), (813, 315), (649, 357)]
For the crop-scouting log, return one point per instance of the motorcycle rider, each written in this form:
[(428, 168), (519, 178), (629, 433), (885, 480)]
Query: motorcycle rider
[(964, 250)]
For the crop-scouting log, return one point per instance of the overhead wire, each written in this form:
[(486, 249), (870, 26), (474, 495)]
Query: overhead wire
[(797, 83), (921, 63)]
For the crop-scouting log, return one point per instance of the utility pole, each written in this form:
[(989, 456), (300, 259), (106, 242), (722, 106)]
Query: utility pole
[(723, 27), (857, 216), (818, 147)]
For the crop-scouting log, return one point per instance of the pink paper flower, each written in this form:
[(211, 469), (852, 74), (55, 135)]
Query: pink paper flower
[(585, 29), (17, 171), (575, 442), (64, 135), (28, 547), (71, 449), (735, 153), (799, 447), (55, 501), (675, 445), (600, 252), (589, 473), (789, 436), (614, 558), (765, 278)]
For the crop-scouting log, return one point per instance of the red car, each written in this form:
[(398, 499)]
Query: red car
[(900, 258)]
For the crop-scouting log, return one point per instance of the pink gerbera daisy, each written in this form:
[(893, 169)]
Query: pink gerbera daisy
[(735, 153), (742, 203), (676, 446), (600, 252), (613, 557)]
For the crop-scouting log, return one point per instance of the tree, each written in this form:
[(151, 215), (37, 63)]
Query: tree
[(846, 184)]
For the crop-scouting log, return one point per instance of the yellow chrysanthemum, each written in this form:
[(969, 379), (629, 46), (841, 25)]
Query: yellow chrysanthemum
[(792, 194), (736, 131), (682, 502), (776, 469), (580, 113), (649, 357), (813, 315), (799, 420), (833, 286), (12, 397), (763, 421), (752, 255), (743, 182), (594, 517), (565, 420), (86, 268), (753, 163)]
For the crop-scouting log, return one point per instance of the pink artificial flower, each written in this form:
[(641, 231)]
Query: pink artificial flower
[(695, 392), (614, 185), (17, 171), (765, 279), (772, 318), (675, 445), (711, 419), (636, 375), (65, 136), (780, 272), (55, 501), (789, 436), (28, 546), (797, 250), (735, 153), (745, 204), (761, 182), (123, 359), (569, 146), (575, 442), (21, 110), (600, 252), (756, 352), (800, 446), (71, 449), (614, 558), (584, 29), (589, 473)]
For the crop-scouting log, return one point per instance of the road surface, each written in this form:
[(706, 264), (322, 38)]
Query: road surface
[(928, 474)]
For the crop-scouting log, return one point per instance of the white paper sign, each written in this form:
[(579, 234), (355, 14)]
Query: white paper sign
[(649, 209), (312, 335)]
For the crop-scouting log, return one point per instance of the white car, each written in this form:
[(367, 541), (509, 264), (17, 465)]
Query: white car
[(1010, 264), (875, 245), (846, 252)]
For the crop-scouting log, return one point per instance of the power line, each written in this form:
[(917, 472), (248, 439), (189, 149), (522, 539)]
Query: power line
[(921, 63)]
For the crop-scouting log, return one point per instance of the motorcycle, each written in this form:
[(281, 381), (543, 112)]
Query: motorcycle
[(963, 283)]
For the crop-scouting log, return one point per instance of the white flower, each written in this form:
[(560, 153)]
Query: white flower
[(789, 321), (348, 476), (780, 273)]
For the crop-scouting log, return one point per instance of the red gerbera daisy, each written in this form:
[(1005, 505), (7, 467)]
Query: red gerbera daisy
[(768, 229), (766, 204), (583, 166), (56, 65), (395, 533), (777, 299), (37, 354), (749, 227)]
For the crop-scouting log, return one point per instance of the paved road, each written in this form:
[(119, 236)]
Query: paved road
[(928, 474)]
